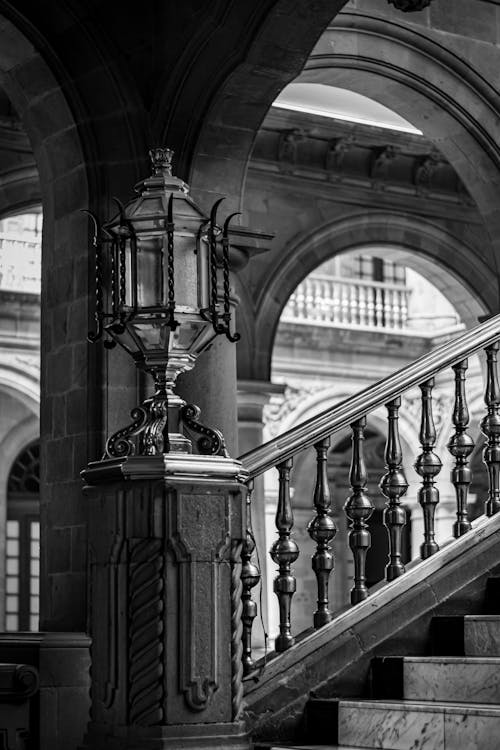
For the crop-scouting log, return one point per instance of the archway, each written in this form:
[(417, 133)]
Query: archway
[(423, 244)]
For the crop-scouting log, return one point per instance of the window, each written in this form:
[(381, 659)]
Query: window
[(22, 565)]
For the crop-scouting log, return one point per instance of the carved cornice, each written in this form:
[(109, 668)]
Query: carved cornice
[(300, 145), (409, 6)]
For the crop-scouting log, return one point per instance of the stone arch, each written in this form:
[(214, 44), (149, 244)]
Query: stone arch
[(454, 105), (45, 105), (423, 244)]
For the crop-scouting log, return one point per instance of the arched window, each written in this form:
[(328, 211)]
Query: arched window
[(22, 569)]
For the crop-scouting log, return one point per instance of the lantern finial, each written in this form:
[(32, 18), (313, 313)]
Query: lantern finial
[(161, 160)]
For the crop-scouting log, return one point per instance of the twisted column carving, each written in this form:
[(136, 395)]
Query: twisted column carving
[(393, 486), (145, 641), (236, 630), (250, 577), (358, 509), (284, 552), (428, 466), (461, 446), (322, 530), (490, 427)]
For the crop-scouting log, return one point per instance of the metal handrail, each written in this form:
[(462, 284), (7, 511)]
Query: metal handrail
[(330, 420)]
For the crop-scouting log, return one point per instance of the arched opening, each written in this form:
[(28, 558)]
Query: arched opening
[(356, 318)]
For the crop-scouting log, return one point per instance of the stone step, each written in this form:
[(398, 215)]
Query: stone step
[(468, 635), (409, 725), (405, 725), (437, 678)]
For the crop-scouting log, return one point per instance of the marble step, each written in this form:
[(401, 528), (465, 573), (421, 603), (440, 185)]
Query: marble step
[(437, 678), (405, 725), (467, 635)]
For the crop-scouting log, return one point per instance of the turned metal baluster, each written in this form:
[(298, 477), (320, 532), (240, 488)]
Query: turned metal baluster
[(284, 552), (461, 446), (358, 509), (322, 530), (428, 465), (250, 577), (490, 427), (393, 486)]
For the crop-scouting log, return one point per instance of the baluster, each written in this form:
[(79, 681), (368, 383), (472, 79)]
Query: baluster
[(326, 302), (300, 302), (490, 427), (336, 293), (353, 304), (362, 305), (322, 530), (318, 300), (284, 552), (461, 446), (250, 577), (344, 303), (370, 306), (358, 509), (309, 300), (405, 301), (393, 486), (379, 308), (428, 465)]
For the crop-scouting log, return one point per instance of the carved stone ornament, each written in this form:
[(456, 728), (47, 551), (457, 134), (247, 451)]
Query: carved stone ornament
[(409, 6)]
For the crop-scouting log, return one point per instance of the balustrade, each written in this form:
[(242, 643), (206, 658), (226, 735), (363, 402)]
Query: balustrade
[(350, 302), (353, 413)]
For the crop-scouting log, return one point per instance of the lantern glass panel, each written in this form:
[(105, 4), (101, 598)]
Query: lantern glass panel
[(153, 335), (185, 271), (149, 272)]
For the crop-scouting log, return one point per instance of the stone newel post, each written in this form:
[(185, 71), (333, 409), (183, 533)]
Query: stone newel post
[(165, 536)]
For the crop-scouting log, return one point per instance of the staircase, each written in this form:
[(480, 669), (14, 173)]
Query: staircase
[(414, 663), (447, 700)]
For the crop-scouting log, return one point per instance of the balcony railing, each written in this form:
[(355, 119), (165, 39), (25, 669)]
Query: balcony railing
[(20, 264), (330, 300)]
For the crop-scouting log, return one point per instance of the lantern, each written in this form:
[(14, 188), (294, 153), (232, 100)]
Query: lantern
[(158, 264)]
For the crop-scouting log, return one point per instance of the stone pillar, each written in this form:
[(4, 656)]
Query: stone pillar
[(253, 395), (212, 387), (165, 536)]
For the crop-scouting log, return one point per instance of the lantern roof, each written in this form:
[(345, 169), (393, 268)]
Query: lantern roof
[(148, 213)]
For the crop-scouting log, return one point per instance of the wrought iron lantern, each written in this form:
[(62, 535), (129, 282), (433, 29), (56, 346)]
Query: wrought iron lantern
[(158, 265)]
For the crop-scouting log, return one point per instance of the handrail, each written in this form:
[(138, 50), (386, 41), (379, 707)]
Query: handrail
[(317, 428)]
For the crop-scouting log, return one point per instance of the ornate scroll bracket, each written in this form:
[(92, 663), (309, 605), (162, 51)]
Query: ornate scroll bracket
[(120, 444), (211, 442)]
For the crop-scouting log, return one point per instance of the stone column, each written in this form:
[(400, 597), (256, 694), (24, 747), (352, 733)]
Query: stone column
[(212, 383), (253, 395), (165, 536)]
